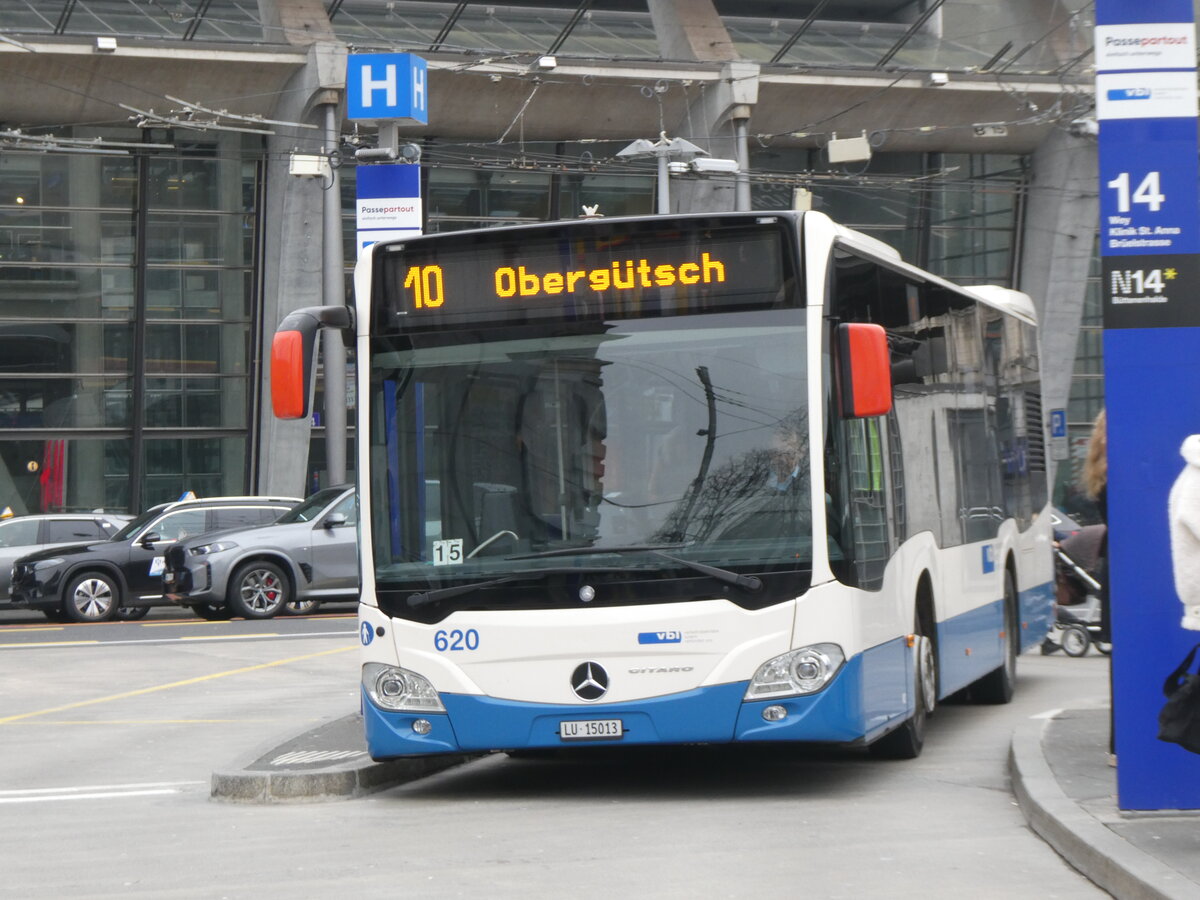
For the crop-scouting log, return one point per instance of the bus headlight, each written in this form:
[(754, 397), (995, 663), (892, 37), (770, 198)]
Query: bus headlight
[(802, 671), (391, 687)]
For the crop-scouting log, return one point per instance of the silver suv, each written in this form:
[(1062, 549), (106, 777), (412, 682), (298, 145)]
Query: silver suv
[(309, 555)]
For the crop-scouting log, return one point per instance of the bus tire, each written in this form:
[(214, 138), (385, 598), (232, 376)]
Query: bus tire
[(997, 685), (258, 590), (91, 597), (907, 741)]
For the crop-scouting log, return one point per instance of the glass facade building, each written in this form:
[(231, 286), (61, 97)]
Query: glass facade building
[(127, 308), (135, 278)]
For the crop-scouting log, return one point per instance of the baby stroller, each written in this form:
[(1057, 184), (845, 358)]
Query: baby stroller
[(1077, 607)]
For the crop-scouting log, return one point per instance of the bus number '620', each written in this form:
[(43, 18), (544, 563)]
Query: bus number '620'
[(456, 640)]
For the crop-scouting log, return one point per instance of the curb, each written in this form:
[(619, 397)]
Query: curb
[(333, 783), (1078, 837), (252, 779)]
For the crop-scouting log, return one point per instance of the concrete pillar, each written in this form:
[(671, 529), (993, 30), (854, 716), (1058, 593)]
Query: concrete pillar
[(1057, 242), (293, 254), (690, 29), (693, 30)]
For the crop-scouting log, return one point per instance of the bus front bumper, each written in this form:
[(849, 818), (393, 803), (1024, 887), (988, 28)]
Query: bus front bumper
[(708, 715)]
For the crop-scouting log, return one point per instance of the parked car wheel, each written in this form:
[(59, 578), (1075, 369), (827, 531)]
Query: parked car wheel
[(301, 607), (258, 590), (91, 597), (211, 612), (131, 613)]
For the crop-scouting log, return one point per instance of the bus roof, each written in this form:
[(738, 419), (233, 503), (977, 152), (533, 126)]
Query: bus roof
[(1014, 303)]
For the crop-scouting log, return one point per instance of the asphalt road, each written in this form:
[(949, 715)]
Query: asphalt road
[(109, 734)]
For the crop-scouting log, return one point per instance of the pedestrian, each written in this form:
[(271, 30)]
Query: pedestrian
[(1095, 485), (1183, 509)]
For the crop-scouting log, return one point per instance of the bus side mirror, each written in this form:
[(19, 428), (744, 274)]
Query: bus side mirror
[(294, 358), (866, 370)]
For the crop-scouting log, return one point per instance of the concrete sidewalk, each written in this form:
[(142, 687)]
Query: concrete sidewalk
[(1059, 769), (1068, 792)]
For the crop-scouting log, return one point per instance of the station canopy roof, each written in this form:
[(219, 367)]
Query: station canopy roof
[(853, 34)]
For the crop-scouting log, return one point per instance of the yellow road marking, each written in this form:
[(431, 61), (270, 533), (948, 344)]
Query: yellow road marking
[(48, 644), (174, 684), (25, 628), (232, 637)]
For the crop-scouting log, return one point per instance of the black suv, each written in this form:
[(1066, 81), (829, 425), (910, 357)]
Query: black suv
[(89, 582)]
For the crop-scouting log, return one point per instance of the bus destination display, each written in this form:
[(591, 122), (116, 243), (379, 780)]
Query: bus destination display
[(576, 273)]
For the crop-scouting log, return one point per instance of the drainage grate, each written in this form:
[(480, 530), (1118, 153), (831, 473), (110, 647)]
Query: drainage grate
[(300, 757)]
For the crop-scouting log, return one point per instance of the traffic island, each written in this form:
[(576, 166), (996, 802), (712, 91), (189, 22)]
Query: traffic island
[(330, 762)]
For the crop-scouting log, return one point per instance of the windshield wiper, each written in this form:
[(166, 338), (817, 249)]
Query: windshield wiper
[(745, 582), (593, 551), (424, 598)]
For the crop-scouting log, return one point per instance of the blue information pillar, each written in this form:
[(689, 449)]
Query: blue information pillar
[(1150, 249)]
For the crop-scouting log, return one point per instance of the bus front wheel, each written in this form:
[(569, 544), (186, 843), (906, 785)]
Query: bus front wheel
[(907, 741)]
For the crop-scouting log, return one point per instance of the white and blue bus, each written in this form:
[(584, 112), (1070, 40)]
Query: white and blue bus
[(695, 479)]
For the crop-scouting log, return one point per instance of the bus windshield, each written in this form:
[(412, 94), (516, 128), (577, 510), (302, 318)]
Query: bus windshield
[(508, 451)]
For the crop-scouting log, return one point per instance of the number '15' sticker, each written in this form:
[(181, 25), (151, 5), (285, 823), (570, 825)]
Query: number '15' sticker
[(448, 553)]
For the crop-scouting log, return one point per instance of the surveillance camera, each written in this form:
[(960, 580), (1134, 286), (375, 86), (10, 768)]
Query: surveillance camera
[(704, 165)]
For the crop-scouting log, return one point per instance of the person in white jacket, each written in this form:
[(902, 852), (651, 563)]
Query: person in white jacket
[(1183, 508)]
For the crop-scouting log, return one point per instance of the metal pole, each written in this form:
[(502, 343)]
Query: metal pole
[(333, 349), (664, 185), (741, 193), (137, 394)]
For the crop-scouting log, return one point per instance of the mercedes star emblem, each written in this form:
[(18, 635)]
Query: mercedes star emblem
[(589, 681)]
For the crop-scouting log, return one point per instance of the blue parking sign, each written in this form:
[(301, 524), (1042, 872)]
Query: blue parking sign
[(1058, 423), (387, 86)]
